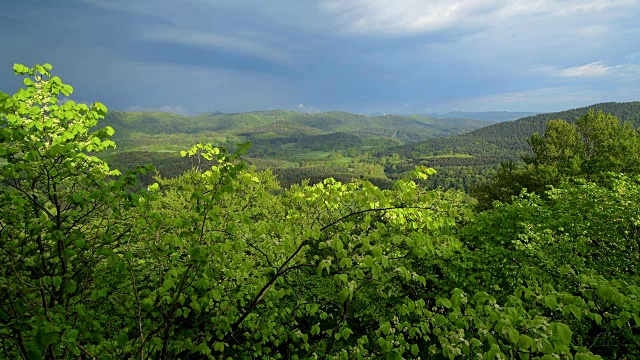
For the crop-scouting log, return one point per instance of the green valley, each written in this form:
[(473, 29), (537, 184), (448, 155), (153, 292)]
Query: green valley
[(293, 145)]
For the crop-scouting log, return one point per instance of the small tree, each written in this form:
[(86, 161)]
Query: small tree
[(608, 144), (560, 146), (598, 144), (59, 217)]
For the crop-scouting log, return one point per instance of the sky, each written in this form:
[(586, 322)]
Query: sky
[(364, 56)]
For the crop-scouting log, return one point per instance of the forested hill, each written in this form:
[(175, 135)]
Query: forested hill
[(507, 140), (294, 145), (404, 128)]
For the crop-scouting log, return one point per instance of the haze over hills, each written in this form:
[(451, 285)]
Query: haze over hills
[(493, 116)]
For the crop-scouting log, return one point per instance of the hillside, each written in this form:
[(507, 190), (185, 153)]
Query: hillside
[(290, 123), (276, 133), (282, 129), (294, 145), (465, 159), (507, 140)]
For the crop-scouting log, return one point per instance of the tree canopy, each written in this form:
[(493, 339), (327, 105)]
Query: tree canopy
[(597, 145)]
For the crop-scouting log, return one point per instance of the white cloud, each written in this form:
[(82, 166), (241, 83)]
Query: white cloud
[(594, 69), (236, 44), (402, 17), (307, 109), (588, 70)]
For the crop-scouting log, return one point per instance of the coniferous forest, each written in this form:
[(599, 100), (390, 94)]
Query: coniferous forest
[(537, 259)]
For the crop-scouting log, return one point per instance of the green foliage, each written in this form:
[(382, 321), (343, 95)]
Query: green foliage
[(598, 144), (560, 146), (219, 261), (567, 241), (61, 219)]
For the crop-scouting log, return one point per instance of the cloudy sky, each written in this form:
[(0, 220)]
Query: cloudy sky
[(392, 56)]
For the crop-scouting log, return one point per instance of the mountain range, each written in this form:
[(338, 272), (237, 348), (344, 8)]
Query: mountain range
[(279, 126), (297, 145)]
